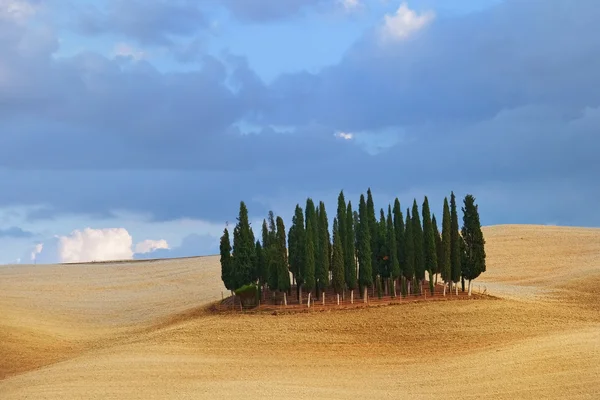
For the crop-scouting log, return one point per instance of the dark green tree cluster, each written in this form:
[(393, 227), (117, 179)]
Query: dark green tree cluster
[(392, 253)]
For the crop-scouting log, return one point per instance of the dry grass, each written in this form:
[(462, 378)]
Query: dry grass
[(140, 331)]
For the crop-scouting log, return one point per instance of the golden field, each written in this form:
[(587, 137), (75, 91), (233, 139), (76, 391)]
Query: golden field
[(139, 330)]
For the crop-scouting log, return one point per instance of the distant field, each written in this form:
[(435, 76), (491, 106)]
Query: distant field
[(139, 330)]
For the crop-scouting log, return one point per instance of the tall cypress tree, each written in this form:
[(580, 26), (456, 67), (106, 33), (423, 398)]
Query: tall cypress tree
[(226, 267), (383, 251), (309, 276), (419, 251), (454, 242), (259, 263), (283, 272), (373, 233), (297, 248), (337, 268), (399, 230), (409, 247), (324, 257), (243, 250), (474, 243), (393, 253), (446, 263), (438, 246), (311, 214), (350, 251), (429, 249), (266, 241), (342, 230), (365, 272), (272, 253)]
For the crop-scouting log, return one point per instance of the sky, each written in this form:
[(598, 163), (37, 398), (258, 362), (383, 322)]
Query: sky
[(133, 129)]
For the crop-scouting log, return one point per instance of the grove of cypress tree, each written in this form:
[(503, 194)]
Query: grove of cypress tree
[(393, 253), (438, 245), (337, 268), (283, 272), (455, 266), (324, 257), (409, 248), (446, 260), (243, 250), (418, 240), (365, 272), (226, 267), (309, 276), (429, 249), (474, 242), (350, 252)]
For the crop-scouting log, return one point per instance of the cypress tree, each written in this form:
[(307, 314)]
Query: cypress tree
[(311, 214), (342, 230), (272, 253), (350, 252), (365, 274), (383, 251), (438, 246), (266, 273), (409, 247), (297, 249), (374, 233), (309, 276), (226, 267), (430, 252), (399, 231), (243, 250), (474, 243), (324, 257), (393, 253), (260, 264), (337, 268), (283, 272), (446, 263), (454, 243), (419, 251)]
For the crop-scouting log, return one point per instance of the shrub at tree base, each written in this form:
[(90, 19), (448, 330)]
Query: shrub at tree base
[(248, 295)]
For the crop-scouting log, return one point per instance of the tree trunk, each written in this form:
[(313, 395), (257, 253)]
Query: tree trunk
[(365, 295), (323, 297), (456, 286), (450, 287), (394, 283), (352, 296), (308, 302), (469, 287), (300, 294), (408, 283), (338, 298), (462, 279), (436, 276), (385, 287), (343, 294), (445, 284), (284, 298)]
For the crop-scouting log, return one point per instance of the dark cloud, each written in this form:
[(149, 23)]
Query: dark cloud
[(153, 22), (499, 103), (15, 232)]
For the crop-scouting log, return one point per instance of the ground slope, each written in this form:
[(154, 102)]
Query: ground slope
[(542, 340)]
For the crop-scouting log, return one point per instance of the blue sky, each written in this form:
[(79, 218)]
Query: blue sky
[(133, 129)]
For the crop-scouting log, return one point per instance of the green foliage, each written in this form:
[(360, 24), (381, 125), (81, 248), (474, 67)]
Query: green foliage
[(243, 250), (226, 261), (474, 243), (297, 246), (341, 217), (324, 256), (446, 263), (350, 249), (438, 244), (455, 266), (364, 245), (418, 240), (309, 276), (399, 231), (373, 234), (248, 294), (429, 249), (337, 267), (379, 288), (259, 262), (392, 247), (409, 247), (383, 257)]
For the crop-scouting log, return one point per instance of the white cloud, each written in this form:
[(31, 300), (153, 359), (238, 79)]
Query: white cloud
[(148, 246), (95, 245), (404, 23), (125, 50), (36, 250), (350, 5), (16, 10), (344, 135)]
